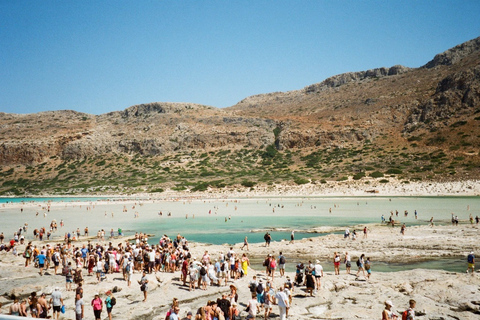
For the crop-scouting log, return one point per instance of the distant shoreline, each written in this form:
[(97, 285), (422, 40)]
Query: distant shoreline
[(352, 188)]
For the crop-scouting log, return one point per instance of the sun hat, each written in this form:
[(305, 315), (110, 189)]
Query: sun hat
[(388, 302)]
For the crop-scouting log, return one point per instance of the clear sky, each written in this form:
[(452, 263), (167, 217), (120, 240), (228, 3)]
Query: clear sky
[(102, 56)]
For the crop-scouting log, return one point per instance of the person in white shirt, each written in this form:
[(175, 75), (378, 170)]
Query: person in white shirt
[(318, 274), (252, 307), (282, 302)]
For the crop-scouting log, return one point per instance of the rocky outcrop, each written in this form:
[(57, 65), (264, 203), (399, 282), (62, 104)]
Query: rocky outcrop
[(456, 95), (148, 109), (454, 54), (344, 78)]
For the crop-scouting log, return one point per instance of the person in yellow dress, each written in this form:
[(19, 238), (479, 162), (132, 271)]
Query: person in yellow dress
[(245, 264)]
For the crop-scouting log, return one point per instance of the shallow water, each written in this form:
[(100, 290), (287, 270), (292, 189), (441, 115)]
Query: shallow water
[(448, 264), (226, 221)]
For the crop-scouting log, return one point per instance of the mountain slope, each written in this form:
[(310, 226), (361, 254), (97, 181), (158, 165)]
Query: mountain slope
[(414, 124)]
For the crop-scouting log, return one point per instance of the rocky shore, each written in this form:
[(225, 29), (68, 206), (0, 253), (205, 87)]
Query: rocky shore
[(439, 294)]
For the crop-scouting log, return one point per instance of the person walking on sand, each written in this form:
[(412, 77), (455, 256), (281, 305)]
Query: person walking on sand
[(282, 302), (471, 262), (143, 282), (79, 307), (109, 303), (252, 308), (292, 237), (387, 313), (360, 265), (245, 243), (368, 267), (97, 305), (56, 301), (281, 264)]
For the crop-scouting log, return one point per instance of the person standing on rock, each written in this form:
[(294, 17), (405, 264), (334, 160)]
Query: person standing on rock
[(336, 263), (348, 262), (318, 269), (471, 262)]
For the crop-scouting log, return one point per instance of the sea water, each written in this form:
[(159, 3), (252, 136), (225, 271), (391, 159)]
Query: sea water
[(229, 221)]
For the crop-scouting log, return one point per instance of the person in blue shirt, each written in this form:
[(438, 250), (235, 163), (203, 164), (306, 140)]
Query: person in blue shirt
[(84, 252), (471, 262), (174, 314), (41, 262)]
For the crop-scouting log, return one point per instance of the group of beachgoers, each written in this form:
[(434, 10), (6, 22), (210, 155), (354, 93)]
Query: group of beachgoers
[(173, 255)]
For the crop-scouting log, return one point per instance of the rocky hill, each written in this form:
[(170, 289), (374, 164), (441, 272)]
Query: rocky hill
[(414, 124)]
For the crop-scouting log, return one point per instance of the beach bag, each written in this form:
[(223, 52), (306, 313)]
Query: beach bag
[(63, 309)]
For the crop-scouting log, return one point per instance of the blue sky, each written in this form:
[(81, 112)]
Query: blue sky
[(102, 56)]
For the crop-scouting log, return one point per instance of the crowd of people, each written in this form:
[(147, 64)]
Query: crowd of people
[(173, 255)]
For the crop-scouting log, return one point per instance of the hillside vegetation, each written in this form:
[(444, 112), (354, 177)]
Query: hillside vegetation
[(411, 124)]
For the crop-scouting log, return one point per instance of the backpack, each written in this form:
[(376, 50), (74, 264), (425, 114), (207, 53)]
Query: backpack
[(259, 289), (252, 287), (222, 267), (282, 260), (470, 258), (167, 317), (113, 301), (203, 271), (358, 263), (127, 268), (405, 315)]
